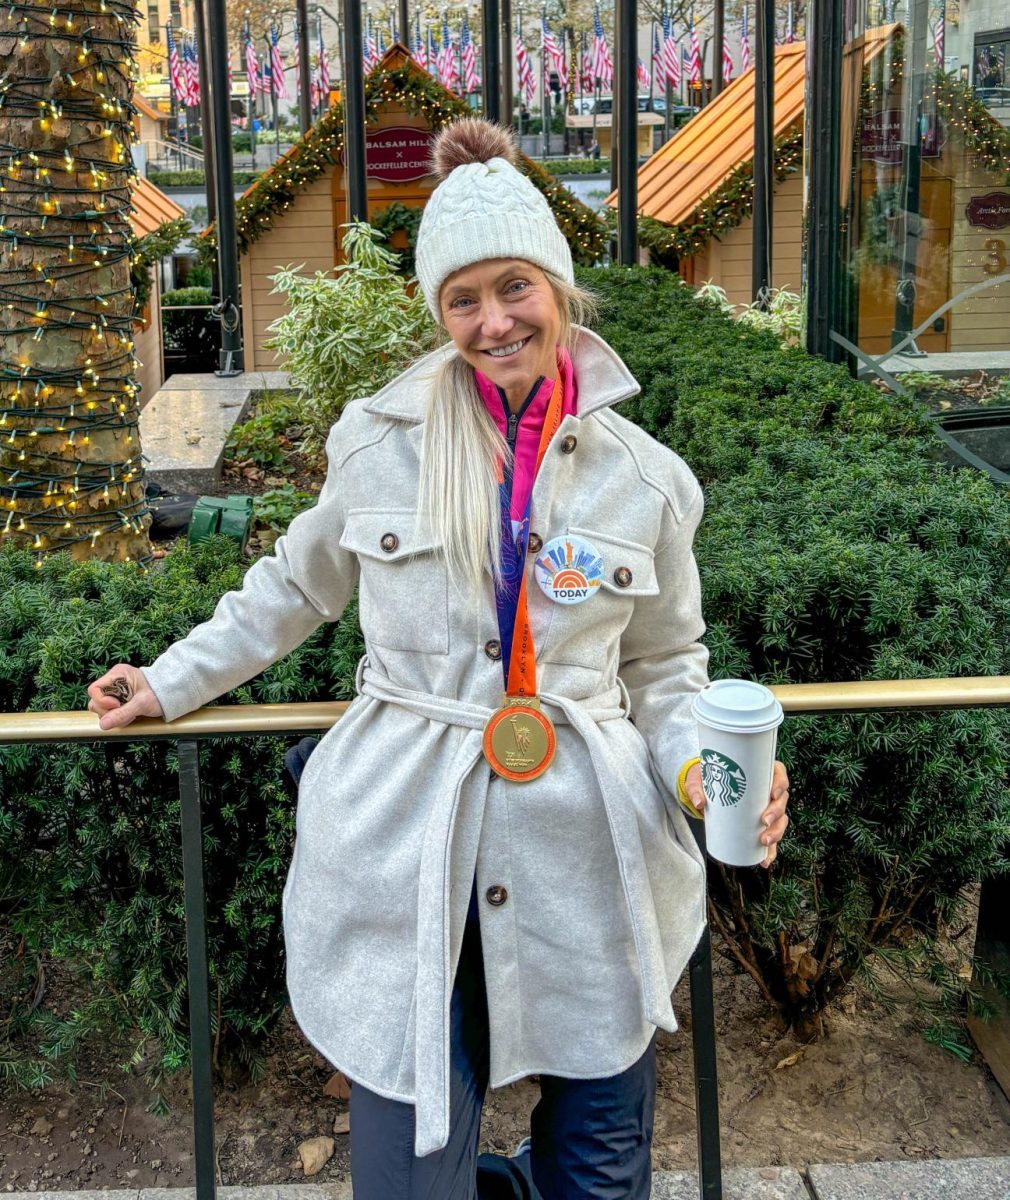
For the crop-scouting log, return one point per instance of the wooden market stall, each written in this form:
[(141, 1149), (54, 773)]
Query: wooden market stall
[(149, 210), (292, 214), (695, 195)]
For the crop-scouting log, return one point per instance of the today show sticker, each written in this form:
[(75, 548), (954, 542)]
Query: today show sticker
[(569, 569)]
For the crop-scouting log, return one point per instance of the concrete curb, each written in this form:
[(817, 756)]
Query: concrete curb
[(928, 1179)]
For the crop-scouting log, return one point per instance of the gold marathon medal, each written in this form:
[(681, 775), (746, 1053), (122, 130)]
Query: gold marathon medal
[(519, 739)]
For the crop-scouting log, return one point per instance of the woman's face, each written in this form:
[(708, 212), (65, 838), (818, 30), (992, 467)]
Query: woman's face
[(504, 320)]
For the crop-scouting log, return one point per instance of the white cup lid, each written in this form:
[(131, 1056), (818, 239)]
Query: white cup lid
[(737, 704)]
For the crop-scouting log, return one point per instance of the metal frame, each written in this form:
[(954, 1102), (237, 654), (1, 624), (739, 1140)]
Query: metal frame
[(875, 695)]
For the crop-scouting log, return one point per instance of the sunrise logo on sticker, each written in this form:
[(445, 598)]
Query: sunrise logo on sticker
[(569, 570)]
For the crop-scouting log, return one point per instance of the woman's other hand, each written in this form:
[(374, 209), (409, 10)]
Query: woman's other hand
[(773, 818), (121, 696)]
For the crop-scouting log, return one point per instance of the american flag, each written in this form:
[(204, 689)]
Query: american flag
[(276, 66), (524, 73), (658, 61), (420, 49), (670, 56), (551, 48), (727, 60), (642, 73), (695, 67), (587, 69), (939, 36), (432, 52), (381, 46), (370, 55), (447, 69), (175, 80), (603, 66), (471, 80), (298, 57), (744, 43), (191, 73), (252, 64), (324, 68)]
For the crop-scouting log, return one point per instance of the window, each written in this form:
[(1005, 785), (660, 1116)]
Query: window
[(989, 65), (153, 23)]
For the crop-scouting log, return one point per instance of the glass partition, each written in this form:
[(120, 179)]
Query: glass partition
[(924, 187)]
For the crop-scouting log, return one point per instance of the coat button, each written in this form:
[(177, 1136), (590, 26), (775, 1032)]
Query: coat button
[(496, 895), (569, 443), (493, 649), (622, 577), (389, 542), (536, 543)]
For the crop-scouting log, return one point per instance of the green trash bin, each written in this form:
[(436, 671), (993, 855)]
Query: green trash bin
[(228, 515)]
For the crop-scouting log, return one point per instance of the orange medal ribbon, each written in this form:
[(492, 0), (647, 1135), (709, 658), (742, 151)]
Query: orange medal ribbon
[(519, 739)]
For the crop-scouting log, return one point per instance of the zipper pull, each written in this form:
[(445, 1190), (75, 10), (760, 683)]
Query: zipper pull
[(513, 427)]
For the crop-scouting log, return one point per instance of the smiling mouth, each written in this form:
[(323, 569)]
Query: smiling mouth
[(509, 350)]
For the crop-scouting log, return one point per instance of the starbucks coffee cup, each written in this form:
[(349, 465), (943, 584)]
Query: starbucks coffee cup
[(738, 725)]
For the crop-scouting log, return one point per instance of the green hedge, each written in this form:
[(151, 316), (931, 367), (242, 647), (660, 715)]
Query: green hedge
[(196, 178), (833, 548), (576, 166)]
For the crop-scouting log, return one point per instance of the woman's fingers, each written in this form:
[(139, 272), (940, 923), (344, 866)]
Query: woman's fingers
[(693, 787), (774, 817), (122, 695)]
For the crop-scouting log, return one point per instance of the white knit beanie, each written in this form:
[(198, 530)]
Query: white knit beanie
[(483, 208)]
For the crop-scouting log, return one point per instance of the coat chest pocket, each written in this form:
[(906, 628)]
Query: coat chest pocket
[(403, 596), (587, 634)]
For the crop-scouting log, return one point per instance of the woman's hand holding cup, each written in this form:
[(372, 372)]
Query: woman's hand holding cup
[(121, 696), (774, 817)]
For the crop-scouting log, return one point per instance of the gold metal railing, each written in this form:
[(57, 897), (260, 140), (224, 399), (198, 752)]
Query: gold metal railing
[(984, 691)]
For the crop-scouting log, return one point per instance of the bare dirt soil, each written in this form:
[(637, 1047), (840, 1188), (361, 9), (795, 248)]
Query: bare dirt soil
[(871, 1088)]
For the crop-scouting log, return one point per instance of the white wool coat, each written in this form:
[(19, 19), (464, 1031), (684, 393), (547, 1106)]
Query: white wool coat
[(398, 811)]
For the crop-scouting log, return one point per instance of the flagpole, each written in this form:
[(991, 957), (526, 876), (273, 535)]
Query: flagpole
[(302, 83), (545, 104), (210, 149), (491, 72), (718, 36), (764, 150), (273, 95)]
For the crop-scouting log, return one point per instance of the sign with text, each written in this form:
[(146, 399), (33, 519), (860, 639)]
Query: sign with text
[(397, 155), (991, 211), (880, 137)]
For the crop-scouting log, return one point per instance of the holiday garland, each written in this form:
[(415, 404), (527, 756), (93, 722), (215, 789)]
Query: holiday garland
[(723, 209), (319, 149), (150, 250)]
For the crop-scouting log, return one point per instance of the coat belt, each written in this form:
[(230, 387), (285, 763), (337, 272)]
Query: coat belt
[(434, 967)]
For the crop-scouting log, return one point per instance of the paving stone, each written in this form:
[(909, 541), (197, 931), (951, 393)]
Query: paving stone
[(765, 1183), (951, 366), (182, 434), (288, 1191), (944, 1179), (209, 382)]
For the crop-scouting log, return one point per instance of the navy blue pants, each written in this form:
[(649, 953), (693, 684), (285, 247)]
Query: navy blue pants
[(591, 1138)]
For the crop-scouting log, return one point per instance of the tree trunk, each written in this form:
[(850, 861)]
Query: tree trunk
[(70, 468)]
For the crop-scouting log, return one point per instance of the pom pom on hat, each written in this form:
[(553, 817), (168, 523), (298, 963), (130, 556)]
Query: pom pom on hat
[(483, 208)]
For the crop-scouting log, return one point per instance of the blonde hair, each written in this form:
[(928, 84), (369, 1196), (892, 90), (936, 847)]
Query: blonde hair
[(461, 450)]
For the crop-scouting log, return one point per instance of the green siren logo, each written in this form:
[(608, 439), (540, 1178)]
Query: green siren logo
[(723, 780)]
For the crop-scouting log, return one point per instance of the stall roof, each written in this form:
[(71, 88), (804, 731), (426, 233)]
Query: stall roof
[(150, 208), (702, 154)]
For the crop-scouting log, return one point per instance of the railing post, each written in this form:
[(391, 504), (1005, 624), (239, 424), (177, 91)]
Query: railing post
[(706, 1079), (196, 961)]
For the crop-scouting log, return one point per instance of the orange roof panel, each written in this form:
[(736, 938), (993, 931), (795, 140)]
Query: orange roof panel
[(703, 154), (150, 208), (720, 138)]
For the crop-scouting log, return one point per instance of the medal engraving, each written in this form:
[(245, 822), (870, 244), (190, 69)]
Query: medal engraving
[(519, 740)]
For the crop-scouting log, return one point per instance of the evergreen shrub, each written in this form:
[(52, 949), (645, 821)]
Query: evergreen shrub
[(835, 548), (90, 862)]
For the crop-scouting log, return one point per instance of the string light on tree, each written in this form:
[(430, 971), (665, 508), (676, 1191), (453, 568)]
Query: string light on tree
[(70, 466)]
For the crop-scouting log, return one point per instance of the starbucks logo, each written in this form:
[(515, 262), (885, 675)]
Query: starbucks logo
[(723, 780)]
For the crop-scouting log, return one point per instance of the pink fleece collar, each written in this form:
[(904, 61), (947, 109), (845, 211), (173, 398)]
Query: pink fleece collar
[(528, 435)]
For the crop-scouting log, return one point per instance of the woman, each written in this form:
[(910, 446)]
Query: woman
[(492, 877)]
